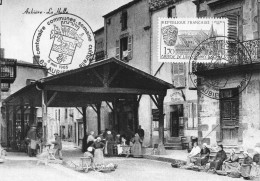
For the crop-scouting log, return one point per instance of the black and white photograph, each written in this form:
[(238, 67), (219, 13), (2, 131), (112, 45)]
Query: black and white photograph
[(129, 90)]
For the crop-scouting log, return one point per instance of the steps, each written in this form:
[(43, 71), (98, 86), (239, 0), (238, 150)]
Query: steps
[(173, 143)]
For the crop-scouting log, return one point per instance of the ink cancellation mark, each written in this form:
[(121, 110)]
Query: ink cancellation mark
[(229, 66), (178, 37), (63, 42)]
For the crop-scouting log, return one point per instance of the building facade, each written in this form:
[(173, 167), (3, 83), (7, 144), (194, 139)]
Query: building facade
[(26, 74), (234, 119), (180, 104)]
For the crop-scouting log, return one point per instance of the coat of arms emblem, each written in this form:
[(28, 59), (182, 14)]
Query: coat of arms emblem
[(65, 42)]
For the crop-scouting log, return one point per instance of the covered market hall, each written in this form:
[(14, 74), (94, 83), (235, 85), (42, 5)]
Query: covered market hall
[(110, 81)]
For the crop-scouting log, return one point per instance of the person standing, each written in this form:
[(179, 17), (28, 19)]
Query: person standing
[(109, 143), (57, 145), (136, 148), (140, 132)]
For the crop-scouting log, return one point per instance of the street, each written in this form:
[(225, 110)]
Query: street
[(19, 166)]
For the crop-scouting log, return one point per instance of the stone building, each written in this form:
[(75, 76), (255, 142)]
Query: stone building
[(26, 74), (180, 104), (232, 117), (127, 37)]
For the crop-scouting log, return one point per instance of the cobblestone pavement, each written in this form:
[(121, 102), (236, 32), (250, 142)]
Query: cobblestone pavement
[(17, 168)]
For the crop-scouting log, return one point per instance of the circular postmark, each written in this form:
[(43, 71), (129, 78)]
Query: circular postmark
[(219, 64), (63, 42)]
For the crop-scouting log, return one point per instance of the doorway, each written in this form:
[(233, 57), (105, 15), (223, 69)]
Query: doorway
[(229, 115), (175, 115)]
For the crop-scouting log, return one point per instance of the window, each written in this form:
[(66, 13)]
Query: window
[(155, 114), (66, 113), (124, 20), (71, 113), (178, 75), (235, 24), (172, 12), (124, 48), (5, 87)]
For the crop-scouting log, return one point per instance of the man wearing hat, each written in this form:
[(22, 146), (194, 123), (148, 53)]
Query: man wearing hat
[(58, 145)]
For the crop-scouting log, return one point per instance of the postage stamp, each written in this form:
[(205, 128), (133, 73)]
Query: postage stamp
[(178, 37), (213, 76), (63, 42)]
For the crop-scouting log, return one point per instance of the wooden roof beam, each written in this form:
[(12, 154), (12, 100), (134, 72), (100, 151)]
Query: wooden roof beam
[(105, 90)]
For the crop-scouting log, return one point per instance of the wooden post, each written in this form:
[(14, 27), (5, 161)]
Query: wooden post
[(161, 125), (44, 115), (8, 125), (136, 120), (98, 106), (22, 121), (115, 116), (14, 123), (84, 119), (31, 117)]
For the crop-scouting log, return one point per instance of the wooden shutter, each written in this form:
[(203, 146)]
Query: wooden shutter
[(232, 25), (182, 78), (178, 75), (175, 74), (130, 47), (117, 49)]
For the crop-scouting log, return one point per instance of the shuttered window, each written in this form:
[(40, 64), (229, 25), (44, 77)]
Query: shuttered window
[(117, 49), (235, 24), (130, 47), (232, 25), (124, 48), (178, 75)]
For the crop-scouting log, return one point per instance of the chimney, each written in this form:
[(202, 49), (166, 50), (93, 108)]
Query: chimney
[(36, 59)]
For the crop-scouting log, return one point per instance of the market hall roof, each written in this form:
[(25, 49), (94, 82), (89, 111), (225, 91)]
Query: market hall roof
[(101, 81)]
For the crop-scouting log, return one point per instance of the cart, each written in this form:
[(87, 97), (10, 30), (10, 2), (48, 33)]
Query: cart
[(85, 164)]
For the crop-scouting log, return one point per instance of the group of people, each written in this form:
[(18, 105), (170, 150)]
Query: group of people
[(109, 144), (223, 165)]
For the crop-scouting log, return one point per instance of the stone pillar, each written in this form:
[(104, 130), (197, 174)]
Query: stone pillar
[(161, 125)]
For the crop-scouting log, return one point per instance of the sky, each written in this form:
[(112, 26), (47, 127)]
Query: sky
[(17, 26)]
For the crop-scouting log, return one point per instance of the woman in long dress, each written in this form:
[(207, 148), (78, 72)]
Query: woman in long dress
[(98, 153), (137, 148), (219, 159), (255, 170), (109, 143), (204, 155), (246, 166), (231, 164)]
